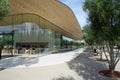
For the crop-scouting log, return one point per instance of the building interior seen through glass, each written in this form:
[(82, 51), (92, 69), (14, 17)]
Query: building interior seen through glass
[(30, 35)]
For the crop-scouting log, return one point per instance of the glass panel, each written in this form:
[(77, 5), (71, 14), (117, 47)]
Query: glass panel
[(31, 32)]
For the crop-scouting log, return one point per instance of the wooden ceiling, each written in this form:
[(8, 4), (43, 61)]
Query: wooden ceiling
[(53, 11)]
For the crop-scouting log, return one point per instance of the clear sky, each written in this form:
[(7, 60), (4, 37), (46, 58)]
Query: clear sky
[(76, 6)]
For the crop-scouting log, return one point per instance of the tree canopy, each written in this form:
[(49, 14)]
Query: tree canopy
[(104, 21), (4, 8), (87, 32), (104, 17)]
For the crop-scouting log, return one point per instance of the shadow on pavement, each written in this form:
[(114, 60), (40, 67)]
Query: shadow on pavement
[(64, 78), (88, 68), (18, 61)]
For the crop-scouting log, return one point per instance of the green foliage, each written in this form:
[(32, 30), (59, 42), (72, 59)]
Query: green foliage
[(104, 17), (88, 35), (6, 40), (4, 8)]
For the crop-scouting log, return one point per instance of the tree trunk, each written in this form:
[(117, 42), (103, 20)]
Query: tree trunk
[(100, 53), (101, 56), (112, 60), (0, 53)]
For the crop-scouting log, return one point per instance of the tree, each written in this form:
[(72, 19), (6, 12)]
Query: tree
[(88, 35), (4, 8), (104, 17)]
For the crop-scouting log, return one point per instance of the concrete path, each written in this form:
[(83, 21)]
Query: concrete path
[(73, 65), (38, 60)]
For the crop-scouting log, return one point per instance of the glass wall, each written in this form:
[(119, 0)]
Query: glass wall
[(33, 33), (70, 43)]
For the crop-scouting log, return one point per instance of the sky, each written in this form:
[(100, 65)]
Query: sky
[(76, 6)]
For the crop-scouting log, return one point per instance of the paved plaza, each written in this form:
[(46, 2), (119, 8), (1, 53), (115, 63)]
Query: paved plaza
[(73, 65)]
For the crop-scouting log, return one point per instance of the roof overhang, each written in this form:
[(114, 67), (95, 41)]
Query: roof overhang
[(48, 14)]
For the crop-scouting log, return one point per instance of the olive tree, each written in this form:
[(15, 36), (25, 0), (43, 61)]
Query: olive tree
[(104, 17)]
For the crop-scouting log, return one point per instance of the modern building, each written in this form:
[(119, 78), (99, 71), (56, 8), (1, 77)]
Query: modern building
[(40, 23)]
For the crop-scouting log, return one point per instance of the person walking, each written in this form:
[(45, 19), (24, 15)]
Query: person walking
[(1, 47)]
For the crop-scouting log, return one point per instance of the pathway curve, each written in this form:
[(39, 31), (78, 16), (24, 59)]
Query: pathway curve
[(38, 60)]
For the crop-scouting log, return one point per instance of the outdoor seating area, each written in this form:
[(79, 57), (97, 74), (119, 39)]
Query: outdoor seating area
[(22, 51), (31, 50)]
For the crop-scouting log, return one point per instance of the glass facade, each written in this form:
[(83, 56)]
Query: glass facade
[(28, 33), (33, 31)]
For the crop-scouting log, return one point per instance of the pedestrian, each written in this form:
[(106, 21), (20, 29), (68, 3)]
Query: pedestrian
[(1, 46)]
